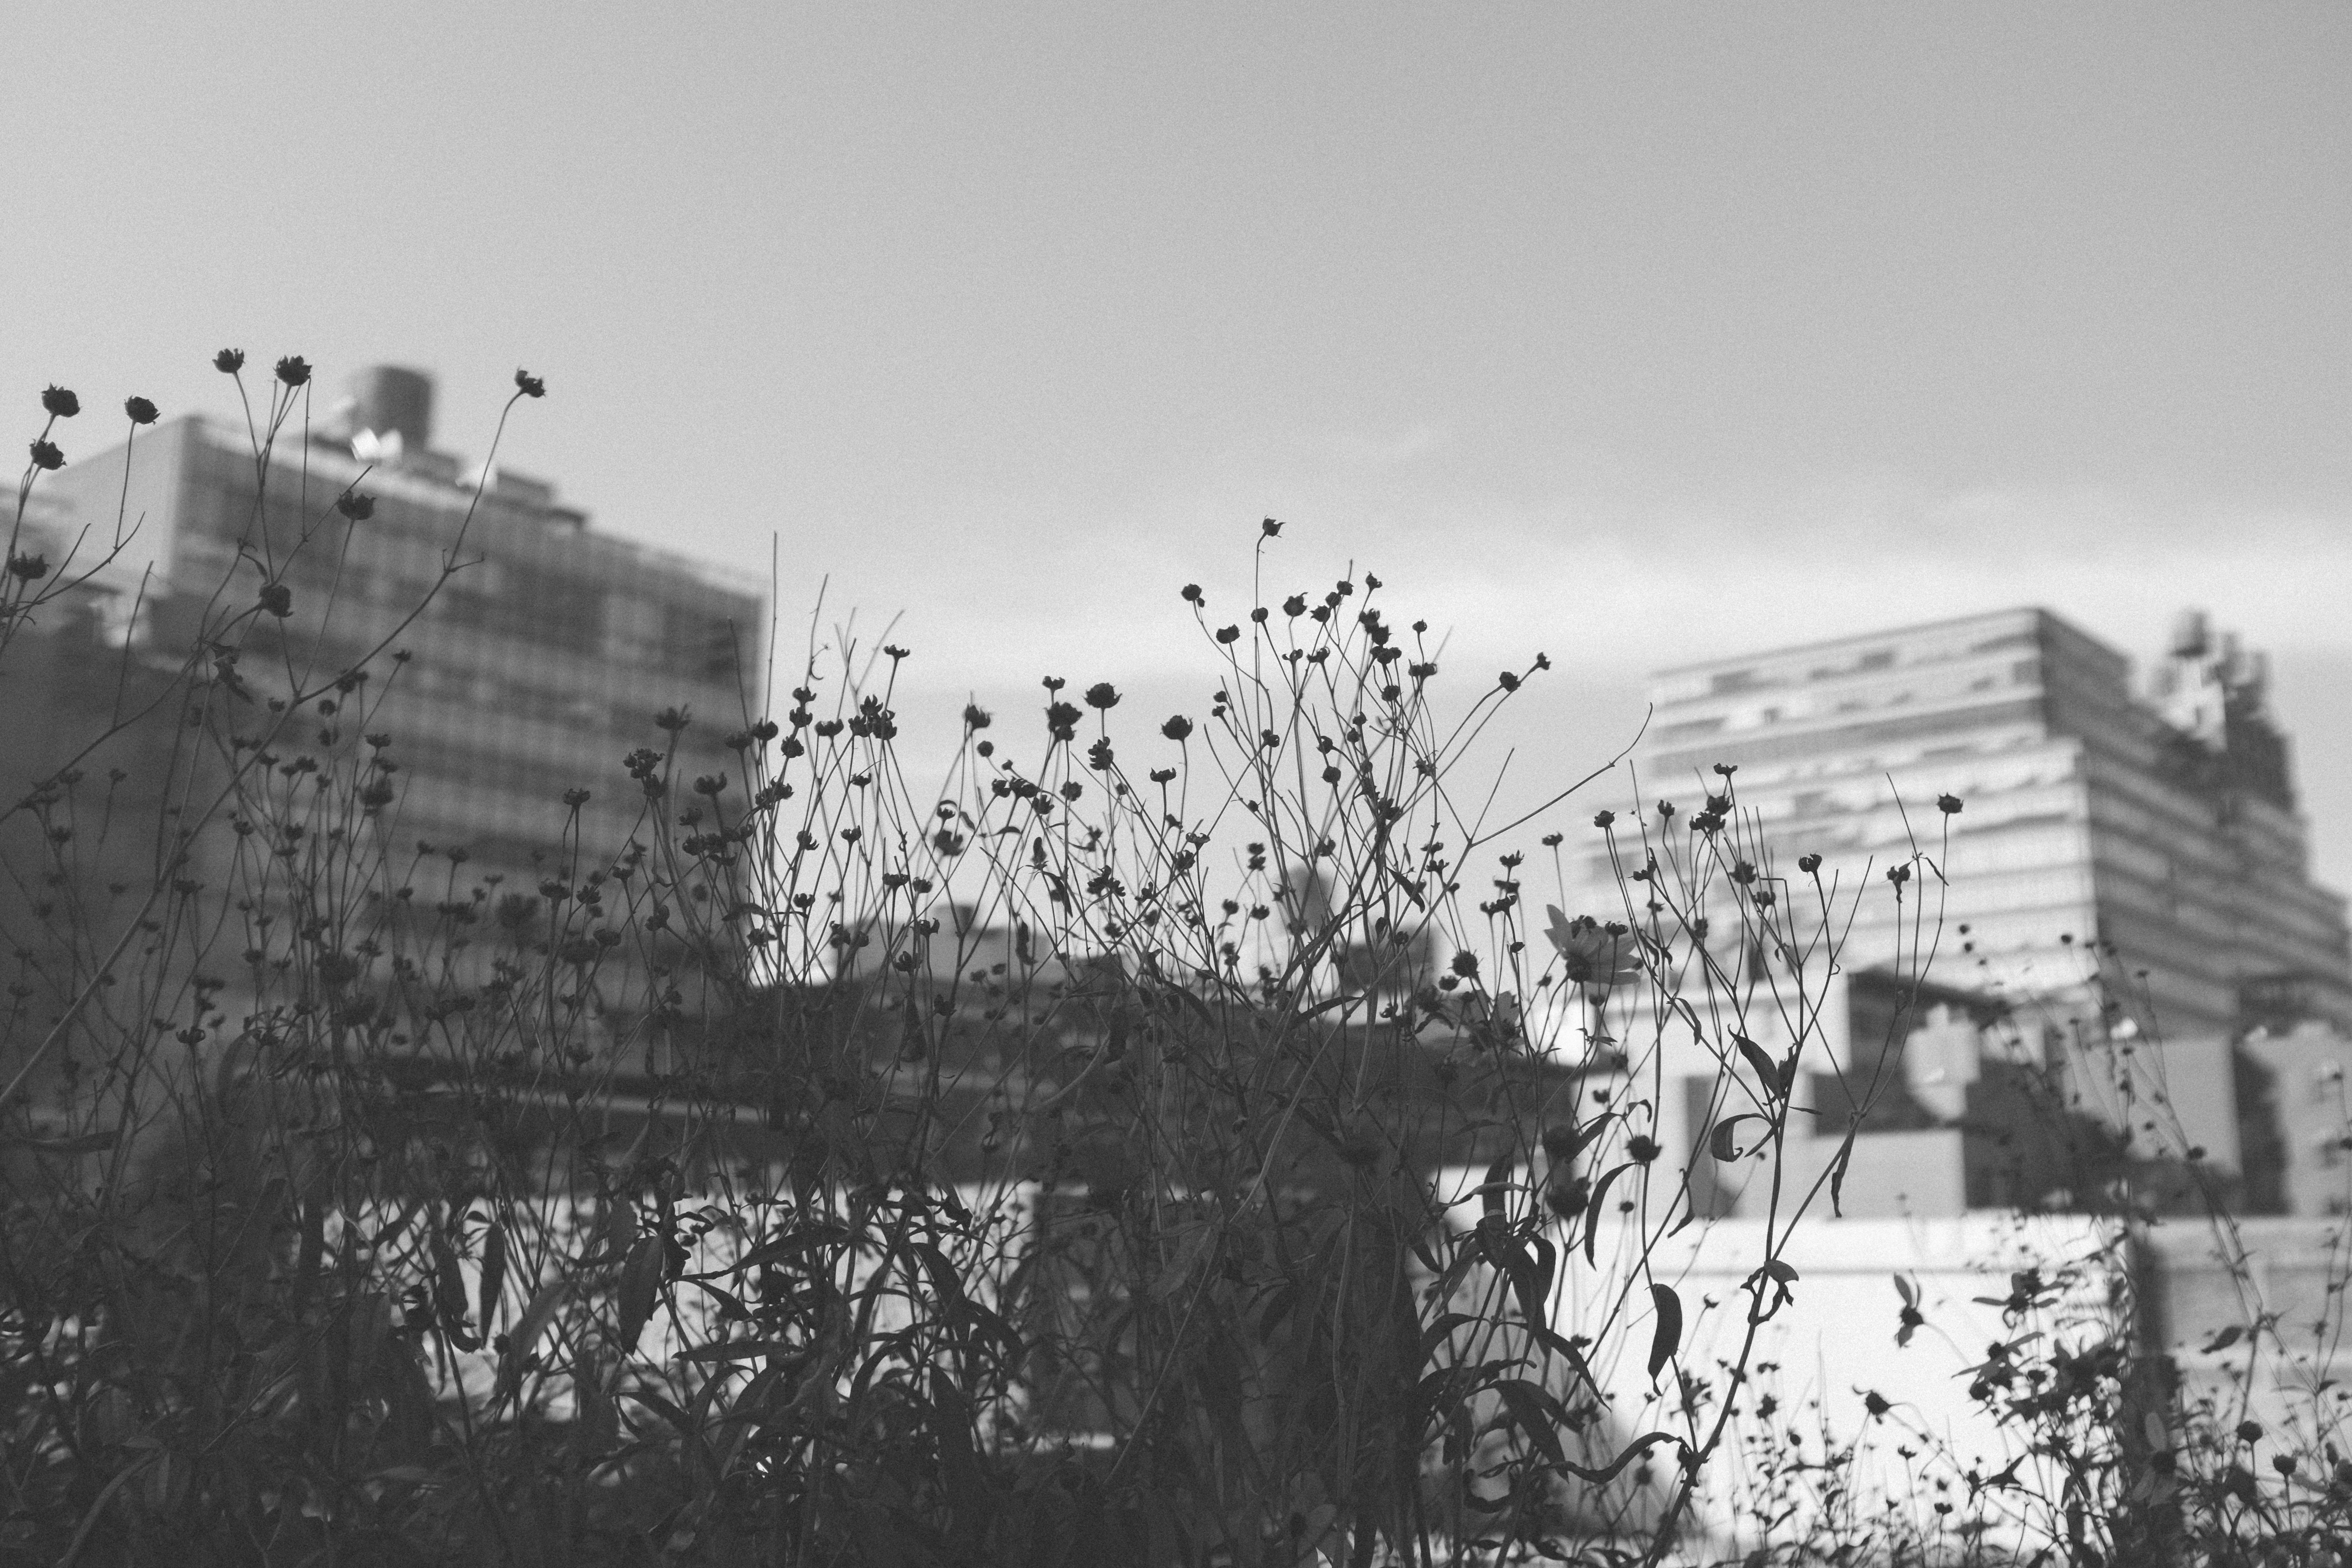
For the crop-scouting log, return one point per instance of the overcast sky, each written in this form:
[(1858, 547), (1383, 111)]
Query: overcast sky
[(1638, 334)]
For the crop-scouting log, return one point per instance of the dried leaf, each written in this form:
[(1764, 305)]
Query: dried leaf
[(1669, 1335), (1721, 1142)]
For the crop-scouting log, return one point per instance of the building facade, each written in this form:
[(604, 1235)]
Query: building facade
[(526, 672), (2162, 823), (2125, 885)]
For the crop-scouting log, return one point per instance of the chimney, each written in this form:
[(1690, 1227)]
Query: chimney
[(387, 400)]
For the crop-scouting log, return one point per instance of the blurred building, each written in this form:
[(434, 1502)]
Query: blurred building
[(2125, 903), (530, 672), (2159, 823)]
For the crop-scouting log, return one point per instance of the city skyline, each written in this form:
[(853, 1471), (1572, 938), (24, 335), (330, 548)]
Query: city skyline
[(1639, 338)]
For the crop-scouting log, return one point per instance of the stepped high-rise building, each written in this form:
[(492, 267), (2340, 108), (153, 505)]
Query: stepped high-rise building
[(2128, 865), (2161, 821)]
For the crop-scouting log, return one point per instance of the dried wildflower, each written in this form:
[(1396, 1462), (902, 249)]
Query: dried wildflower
[(710, 784), (277, 599), (228, 361), (672, 720), (1507, 681), (1101, 696), (1603, 818), (576, 798), (1193, 595), (1062, 720), (894, 653), (1163, 775), (1592, 953), (1726, 768), (1295, 606), (357, 507), (1229, 635), (1809, 864), (975, 717), (529, 385), (1054, 683), (142, 412), (1177, 728), (46, 455), (59, 403), (30, 568), (1898, 875), (1949, 805), (1270, 528), (294, 370)]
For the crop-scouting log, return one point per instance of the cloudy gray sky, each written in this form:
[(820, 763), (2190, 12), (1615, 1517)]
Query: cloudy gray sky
[(1634, 333)]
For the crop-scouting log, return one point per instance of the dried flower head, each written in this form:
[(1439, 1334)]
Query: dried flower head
[(529, 385), (46, 455), (1270, 528), (228, 361), (1592, 953), (142, 412), (357, 507), (1193, 595), (1949, 805), (1177, 728), (59, 403), (294, 370), (1102, 696), (29, 568), (1809, 864)]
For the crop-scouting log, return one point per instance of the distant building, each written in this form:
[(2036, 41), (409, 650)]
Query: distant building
[(2163, 824), (2127, 884), (534, 668)]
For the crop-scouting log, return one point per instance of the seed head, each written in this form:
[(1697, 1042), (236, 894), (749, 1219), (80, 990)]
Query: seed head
[(228, 361), (294, 370), (1177, 728), (1949, 805), (1270, 528), (46, 455), (1102, 696), (59, 403), (1193, 595), (355, 506), (142, 412), (529, 385)]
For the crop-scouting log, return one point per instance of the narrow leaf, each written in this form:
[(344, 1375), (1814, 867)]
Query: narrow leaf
[(640, 1279), (493, 1274), (536, 1315), (1495, 1187), (1669, 1335), (1592, 1211), (1526, 1403), (1723, 1141), (1767, 1071)]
